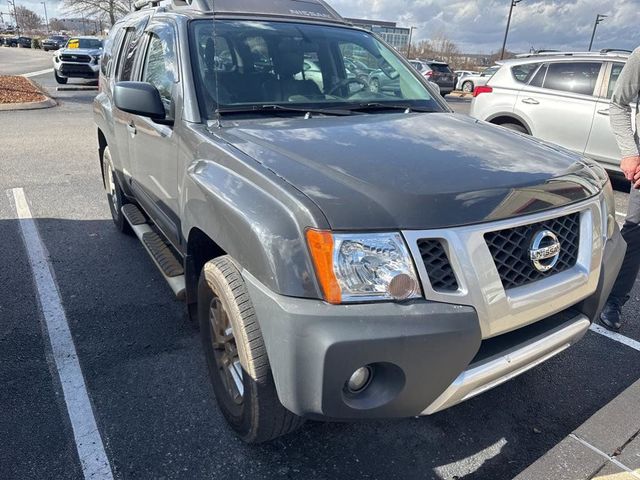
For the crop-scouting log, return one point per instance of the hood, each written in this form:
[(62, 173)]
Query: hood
[(80, 51), (414, 171)]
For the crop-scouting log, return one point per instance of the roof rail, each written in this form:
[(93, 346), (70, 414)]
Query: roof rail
[(604, 51), (200, 5), (552, 53)]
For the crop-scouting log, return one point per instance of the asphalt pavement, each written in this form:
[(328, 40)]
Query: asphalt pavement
[(18, 61), (144, 369)]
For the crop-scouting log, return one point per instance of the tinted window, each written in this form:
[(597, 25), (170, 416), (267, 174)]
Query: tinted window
[(108, 54), (129, 50), (439, 67), (577, 77), (160, 69), (538, 79), (522, 73), (616, 70)]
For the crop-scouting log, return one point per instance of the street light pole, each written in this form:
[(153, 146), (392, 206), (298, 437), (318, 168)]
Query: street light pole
[(506, 33), (599, 19), (410, 40), (46, 18), (12, 3)]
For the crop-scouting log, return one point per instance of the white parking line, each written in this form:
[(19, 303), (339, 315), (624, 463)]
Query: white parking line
[(616, 336), (93, 458), (620, 214), (35, 74)]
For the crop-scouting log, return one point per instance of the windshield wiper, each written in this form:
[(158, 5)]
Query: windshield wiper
[(308, 111), (390, 106)]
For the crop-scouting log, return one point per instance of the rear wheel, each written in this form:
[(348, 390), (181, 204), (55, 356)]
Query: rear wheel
[(467, 87), (239, 369), (59, 79), (114, 193), (516, 127)]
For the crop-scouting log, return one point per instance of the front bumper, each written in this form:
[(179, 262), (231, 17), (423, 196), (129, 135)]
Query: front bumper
[(426, 356), (77, 70)]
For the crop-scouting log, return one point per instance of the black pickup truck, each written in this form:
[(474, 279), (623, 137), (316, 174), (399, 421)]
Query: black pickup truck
[(347, 253)]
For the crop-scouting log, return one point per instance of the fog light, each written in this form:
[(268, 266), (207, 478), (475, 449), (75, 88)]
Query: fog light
[(359, 380)]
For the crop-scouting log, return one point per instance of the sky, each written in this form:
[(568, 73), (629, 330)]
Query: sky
[(478, 26)]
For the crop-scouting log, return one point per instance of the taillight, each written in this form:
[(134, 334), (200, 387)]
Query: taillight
[(429, 74), (483, 89)]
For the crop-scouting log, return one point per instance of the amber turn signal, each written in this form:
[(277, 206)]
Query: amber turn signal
[(321, 248)]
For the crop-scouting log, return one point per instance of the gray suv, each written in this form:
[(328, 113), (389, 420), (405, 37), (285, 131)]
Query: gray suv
[(347, 254), (560, 97)]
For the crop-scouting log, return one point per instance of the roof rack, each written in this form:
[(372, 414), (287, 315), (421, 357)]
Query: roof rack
[(200, 5), (307, 9), (555, 53)]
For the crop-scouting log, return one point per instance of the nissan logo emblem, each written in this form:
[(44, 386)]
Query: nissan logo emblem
[(544, 251)]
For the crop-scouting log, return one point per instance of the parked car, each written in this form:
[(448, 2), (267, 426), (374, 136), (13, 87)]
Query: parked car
[(437, 72), (54, 42), (561, 98), (468, 83), (80, 58), (335, 269), (22, 42), (461, 73)]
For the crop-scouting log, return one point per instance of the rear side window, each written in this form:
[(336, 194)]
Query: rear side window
[(523, 73), (108, 53), (578, 77), (130, 47), (616, 70)]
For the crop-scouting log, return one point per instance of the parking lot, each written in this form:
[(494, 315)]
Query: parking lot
[(143, 366)]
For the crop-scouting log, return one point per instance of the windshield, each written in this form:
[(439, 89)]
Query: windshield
[(91, 43), (244, 64)]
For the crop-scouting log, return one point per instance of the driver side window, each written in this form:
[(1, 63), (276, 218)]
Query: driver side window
[(160, 67)]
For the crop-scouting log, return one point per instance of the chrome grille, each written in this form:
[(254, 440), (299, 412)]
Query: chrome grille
[(510, 250), (437, 263)]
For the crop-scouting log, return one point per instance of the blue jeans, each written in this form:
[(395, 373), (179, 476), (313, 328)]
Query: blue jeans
[(631, 264)]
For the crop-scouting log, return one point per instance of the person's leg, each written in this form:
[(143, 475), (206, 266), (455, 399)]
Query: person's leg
[(630, 266)]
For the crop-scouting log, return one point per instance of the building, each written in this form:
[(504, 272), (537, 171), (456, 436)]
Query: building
[(395, 36)]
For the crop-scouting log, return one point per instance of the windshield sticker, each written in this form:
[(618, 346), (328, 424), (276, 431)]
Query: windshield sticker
[(75, 43)]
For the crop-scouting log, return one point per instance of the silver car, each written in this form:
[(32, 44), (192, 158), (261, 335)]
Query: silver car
[(561, 98), (467, 83)]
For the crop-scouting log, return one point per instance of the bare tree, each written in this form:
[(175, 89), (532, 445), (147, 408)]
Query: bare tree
[(112, 9), (56, 25), (27, 20)]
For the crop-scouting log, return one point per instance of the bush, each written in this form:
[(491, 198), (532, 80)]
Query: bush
[(35, 43)]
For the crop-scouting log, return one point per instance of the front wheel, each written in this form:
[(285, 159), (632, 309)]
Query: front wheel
[(59, 79), (467, 87), (239, 369)]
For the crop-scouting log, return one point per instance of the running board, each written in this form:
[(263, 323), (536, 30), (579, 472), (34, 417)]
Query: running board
[(158, 250)]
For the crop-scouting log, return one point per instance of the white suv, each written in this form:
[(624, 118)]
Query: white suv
[(562, 98)]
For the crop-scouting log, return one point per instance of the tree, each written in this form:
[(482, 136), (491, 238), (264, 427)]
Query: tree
[(56, 25), (27, 19), (113, 9)]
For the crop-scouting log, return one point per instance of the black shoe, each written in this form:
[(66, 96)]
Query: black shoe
[(610, 316)]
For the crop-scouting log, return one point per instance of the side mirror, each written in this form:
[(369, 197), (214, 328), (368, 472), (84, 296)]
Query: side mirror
[(139, 98)]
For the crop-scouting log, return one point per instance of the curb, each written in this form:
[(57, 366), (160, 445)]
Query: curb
[(607, 446), (79, 88), (48, 102)]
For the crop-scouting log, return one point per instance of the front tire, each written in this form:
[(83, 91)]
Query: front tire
[(115, 196), (59, 79), (239, 369)]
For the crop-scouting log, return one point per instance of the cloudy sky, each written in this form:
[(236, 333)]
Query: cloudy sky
[(478, 25)]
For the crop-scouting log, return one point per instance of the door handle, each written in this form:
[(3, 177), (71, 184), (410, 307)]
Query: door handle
[(531, 101), (131, 128), (604, 112)]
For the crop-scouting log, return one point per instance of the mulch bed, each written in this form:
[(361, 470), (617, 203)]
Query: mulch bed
[(18, 90)]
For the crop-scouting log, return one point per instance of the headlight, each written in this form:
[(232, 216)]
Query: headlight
[(363, 267)]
